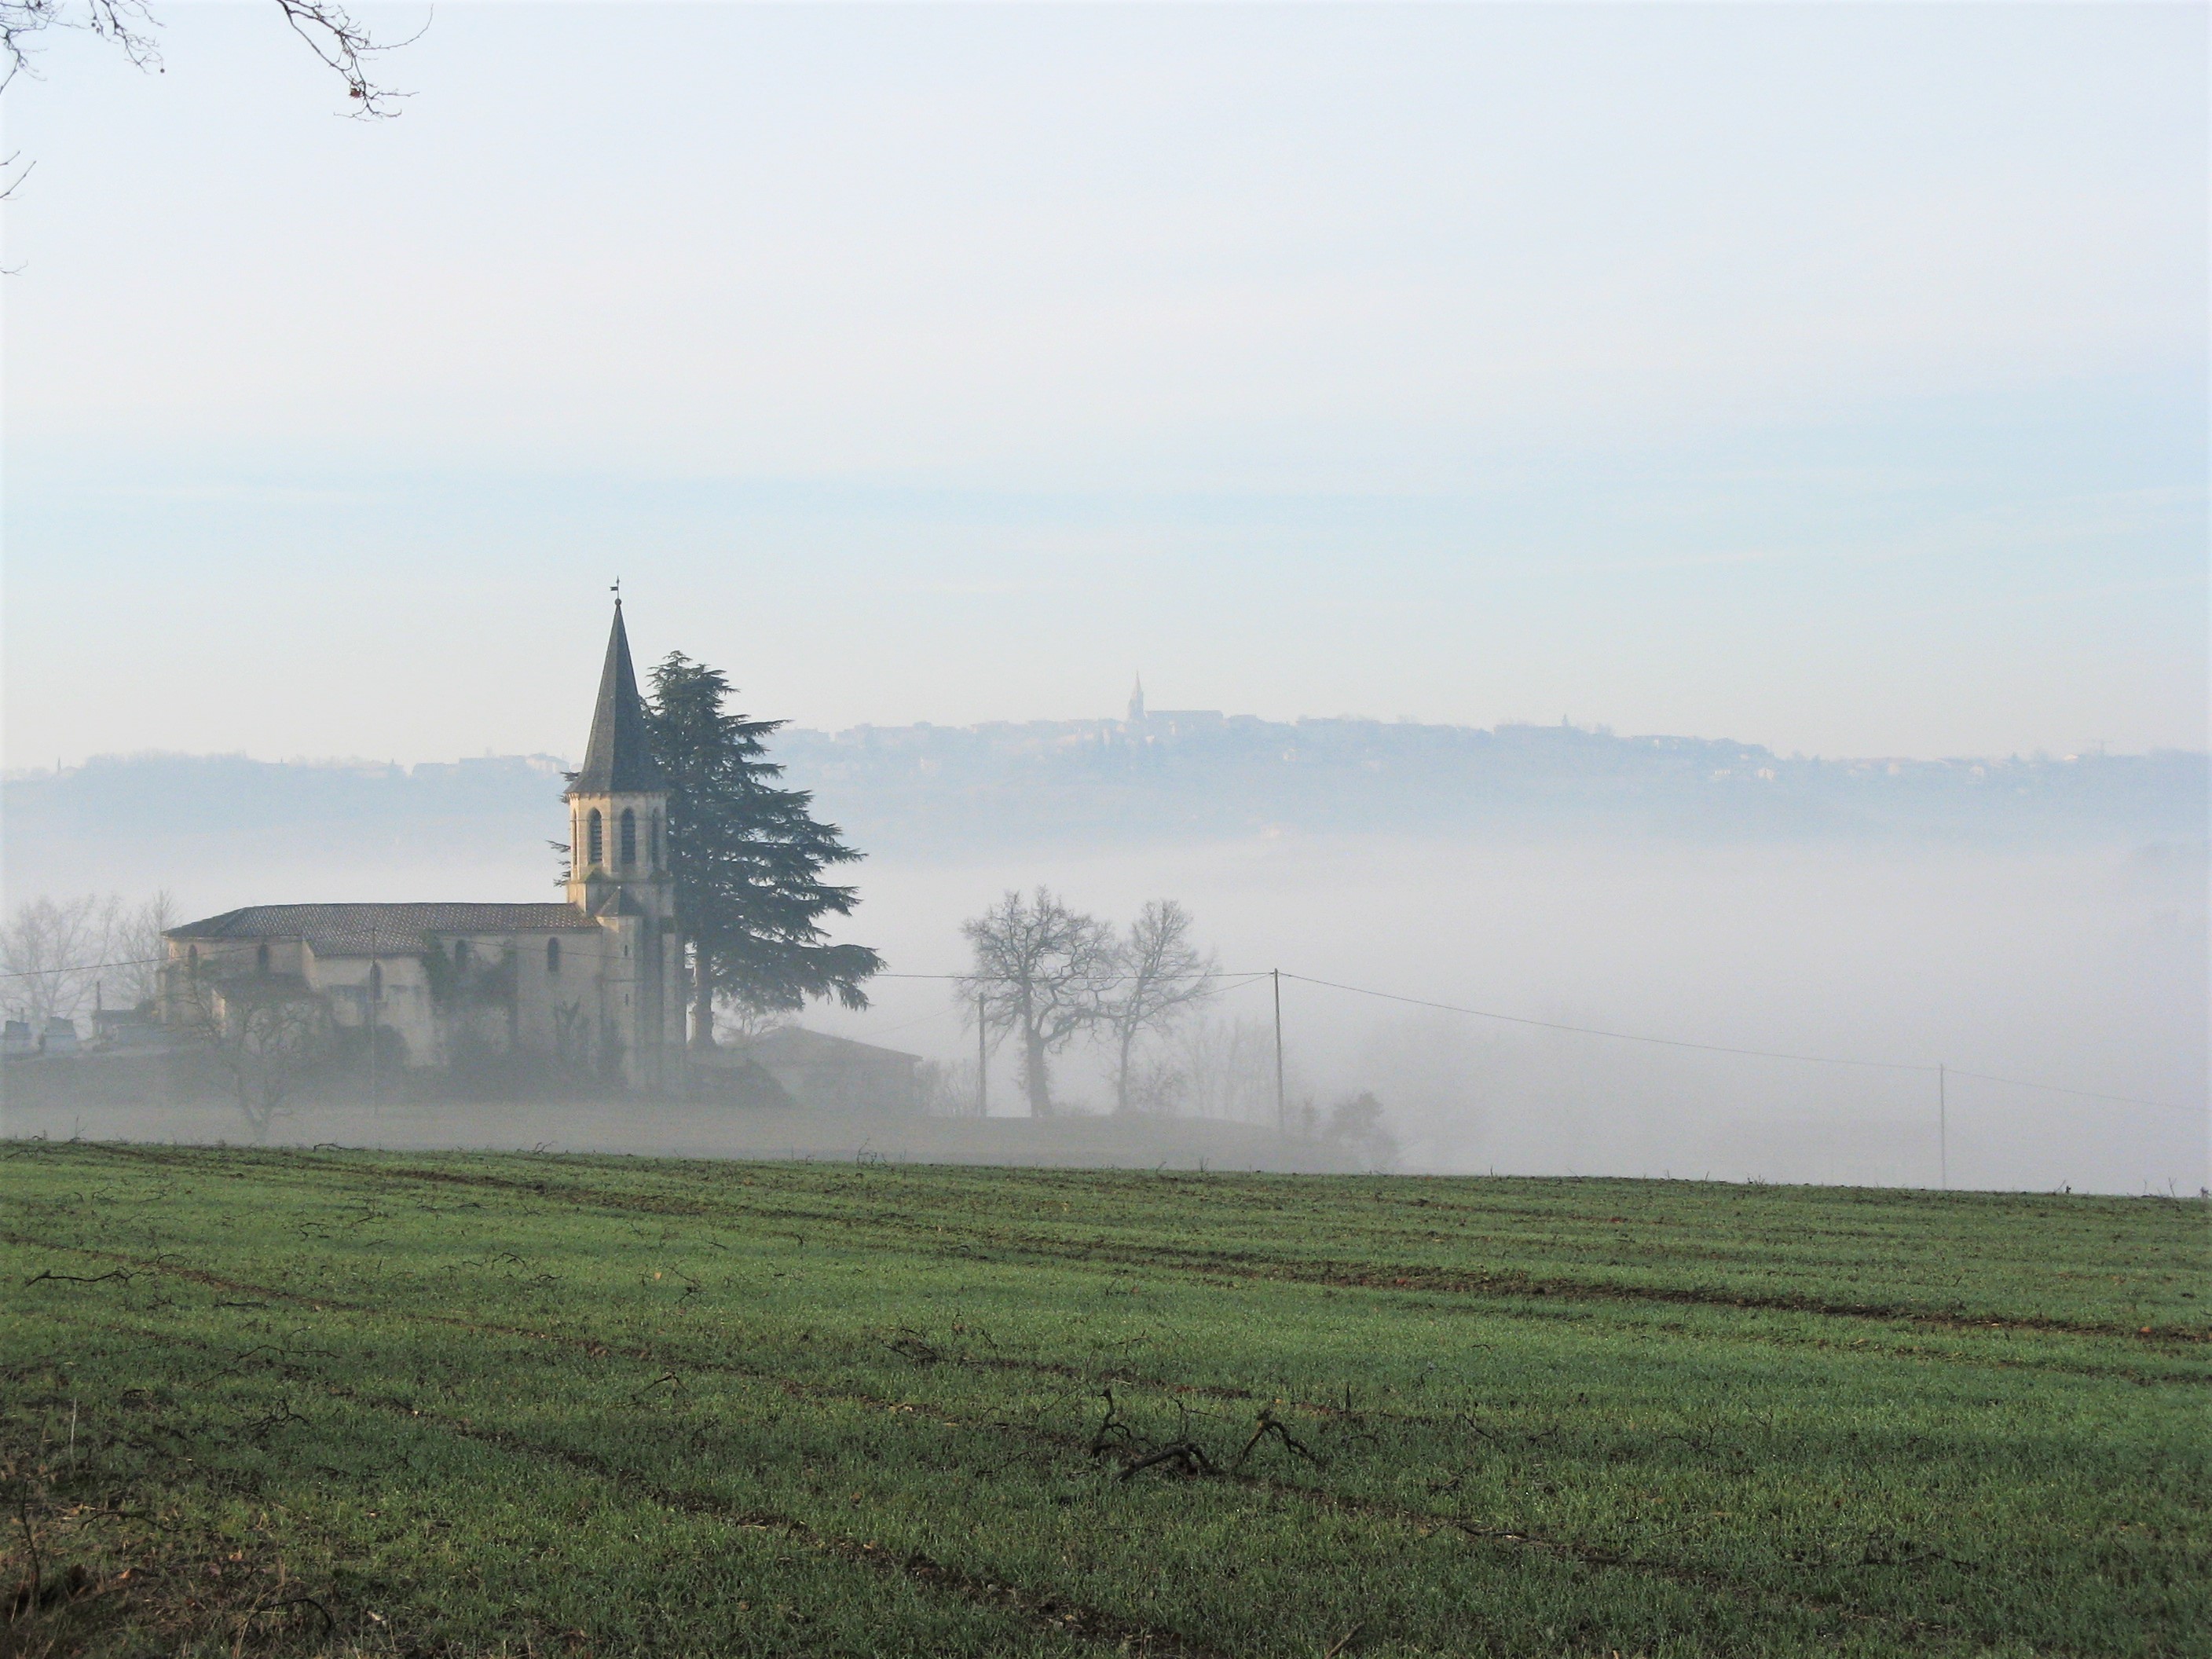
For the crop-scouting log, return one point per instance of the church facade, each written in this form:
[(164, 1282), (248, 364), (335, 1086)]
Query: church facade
[(594, 982)]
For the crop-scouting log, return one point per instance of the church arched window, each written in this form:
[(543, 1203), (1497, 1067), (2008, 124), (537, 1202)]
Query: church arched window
[(552, 956), (375, 982), (653, 841), (595, 840), (261, 957), (628, 838), (460, 953)]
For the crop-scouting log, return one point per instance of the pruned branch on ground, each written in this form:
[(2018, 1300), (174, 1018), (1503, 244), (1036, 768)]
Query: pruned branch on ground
[(1270, 1424), (1114, 1437)]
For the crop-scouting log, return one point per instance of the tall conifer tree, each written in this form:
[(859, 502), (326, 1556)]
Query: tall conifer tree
[(748, 857)]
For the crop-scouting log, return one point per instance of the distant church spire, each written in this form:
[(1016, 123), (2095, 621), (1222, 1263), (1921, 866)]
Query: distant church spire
[(618, 758), (1137, 703)]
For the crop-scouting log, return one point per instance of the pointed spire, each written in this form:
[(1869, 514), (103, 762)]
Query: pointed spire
[(619, 756), (1137, 703)]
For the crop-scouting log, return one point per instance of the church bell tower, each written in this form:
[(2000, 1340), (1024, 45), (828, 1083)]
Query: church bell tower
[(618, 802), (618, 870)]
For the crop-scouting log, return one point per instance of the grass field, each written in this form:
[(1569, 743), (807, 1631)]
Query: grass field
[(262, 1402)]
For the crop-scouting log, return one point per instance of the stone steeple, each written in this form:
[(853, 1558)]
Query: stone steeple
[(618, 757), (618, 801), (619, 874)]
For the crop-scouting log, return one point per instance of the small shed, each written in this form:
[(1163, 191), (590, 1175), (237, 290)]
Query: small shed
[(821, 1072), (126, 1028)]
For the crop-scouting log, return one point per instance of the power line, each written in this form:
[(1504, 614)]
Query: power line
[(2084, 1094), (1623, 1036), (79, 968), (1923, 1067)]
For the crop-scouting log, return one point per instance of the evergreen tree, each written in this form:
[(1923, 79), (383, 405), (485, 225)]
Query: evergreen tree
[(748, 858)]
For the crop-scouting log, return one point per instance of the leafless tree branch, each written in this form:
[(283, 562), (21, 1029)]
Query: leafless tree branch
[(343, 42), (334, 34)]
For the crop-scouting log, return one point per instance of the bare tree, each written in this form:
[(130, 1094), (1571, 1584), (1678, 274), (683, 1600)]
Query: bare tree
[(332, 34), (739, 1022), (61, 954), (1227, 1070), (265, 1030), (1163, 979), (1041, 974), (1360, 1126), (946, 1088), (136, 949), (52, 950)]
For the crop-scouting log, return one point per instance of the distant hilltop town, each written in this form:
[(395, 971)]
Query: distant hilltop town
[(1179, 773), (1168, 774)]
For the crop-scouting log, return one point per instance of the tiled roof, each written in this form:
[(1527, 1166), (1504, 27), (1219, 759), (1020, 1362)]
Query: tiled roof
[(795, 1044), (619, 756), (360, 930)]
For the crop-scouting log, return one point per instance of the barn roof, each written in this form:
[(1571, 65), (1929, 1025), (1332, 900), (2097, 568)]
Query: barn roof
[(796, 1045)]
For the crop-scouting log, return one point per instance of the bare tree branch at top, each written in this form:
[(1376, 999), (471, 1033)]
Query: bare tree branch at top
[(332, 34)]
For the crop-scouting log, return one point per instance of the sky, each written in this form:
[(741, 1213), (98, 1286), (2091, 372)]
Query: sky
[(1833, 378)]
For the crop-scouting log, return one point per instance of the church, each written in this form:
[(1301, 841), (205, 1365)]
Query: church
[(594, 981)]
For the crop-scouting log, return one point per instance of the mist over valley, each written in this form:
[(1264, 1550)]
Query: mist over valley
[(2039, 918)]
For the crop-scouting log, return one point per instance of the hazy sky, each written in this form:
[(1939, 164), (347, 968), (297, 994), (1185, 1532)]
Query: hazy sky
[(1831, 377)]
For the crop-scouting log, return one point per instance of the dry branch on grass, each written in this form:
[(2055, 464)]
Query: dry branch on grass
[(1188, 1456), (1270, 1424), (1114, 1436)]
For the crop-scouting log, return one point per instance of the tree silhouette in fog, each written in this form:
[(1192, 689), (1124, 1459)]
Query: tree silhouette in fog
[(1163, 979), (1041, 973)]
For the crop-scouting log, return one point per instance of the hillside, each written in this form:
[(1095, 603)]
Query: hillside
[(932, 790)]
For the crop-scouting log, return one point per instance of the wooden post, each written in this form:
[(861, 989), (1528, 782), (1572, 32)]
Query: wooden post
[(1943, 1126), (1282, 1113)]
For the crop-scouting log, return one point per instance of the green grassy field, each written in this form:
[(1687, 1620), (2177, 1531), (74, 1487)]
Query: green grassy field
[(262, 1402)]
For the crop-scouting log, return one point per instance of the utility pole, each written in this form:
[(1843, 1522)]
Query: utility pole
[(1943, 1126), (376, 988), (983, 1062), (1282, 1113)]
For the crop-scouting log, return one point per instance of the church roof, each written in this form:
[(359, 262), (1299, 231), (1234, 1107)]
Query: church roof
[(619, 756), (360, 930)]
